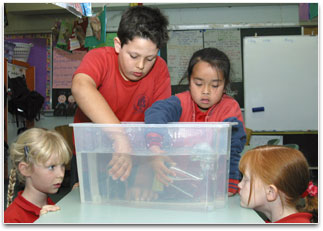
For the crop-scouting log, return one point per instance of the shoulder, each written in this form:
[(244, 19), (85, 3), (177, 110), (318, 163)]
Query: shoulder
[(160, 62), (184, 95), (160, 66), (10, 213), (99, 53), (228, 105), (296, 218), (228, 100), (102, 50), (17, 211)]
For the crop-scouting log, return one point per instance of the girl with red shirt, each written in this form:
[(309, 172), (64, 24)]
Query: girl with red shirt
[(38, 158), (275, 178)]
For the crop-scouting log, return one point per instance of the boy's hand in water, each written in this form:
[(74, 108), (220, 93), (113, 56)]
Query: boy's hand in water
[(121, 162), (121, 165)]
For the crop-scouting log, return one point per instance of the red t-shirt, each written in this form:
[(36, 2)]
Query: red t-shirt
[(127, 99), (23, 211), (295, 218)]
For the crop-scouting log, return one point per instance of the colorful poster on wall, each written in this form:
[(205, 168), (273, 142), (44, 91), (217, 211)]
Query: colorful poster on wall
[(40, 57), (64, 65)]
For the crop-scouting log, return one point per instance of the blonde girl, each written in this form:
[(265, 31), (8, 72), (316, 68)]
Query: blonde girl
[(275, 179), (38, 160)]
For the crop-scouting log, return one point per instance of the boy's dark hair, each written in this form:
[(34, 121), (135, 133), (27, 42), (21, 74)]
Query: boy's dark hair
[(215, 57), (144, 22)]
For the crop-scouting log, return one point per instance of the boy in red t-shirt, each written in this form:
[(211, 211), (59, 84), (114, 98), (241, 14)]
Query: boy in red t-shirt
[(118, 84)]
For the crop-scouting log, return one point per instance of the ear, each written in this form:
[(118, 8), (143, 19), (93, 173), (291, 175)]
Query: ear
[(117, 44), (24, 168), (271, 193)]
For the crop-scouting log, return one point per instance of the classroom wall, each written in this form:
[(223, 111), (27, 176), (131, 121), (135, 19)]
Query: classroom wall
[(195, 18), (183, 15)]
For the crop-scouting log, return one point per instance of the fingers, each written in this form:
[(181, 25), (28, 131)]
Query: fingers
[(126, 173), (133, 193), (141, 194), (121, 166), (162, 174), (49, 208), (162, 171), (148, 195), (230, 194)]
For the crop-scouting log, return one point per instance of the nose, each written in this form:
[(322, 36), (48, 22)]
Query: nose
[(61, 171), (206, 90), (140, 64)]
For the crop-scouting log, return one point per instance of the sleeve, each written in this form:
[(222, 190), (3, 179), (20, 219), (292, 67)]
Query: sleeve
[(164, 111), (162, 87), (92, 65), (238, 140), (161, 112)]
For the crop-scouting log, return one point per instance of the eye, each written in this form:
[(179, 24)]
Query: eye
[(133, 56), (215, 86), (198, 83), (151, 59), (51, 167)]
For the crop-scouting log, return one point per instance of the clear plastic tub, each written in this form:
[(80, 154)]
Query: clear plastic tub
[(199, 155)]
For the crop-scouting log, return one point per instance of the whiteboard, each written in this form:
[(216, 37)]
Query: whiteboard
[(281, 83)]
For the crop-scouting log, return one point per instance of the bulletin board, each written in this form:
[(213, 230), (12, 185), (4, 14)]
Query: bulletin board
[(281, 83), (180, 47), (64, 65), (39, 57)]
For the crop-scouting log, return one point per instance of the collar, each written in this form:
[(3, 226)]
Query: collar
[(28, 206)]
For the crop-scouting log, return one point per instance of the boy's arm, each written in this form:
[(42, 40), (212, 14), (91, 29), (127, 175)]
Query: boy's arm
[(95, 107), (90, 100)]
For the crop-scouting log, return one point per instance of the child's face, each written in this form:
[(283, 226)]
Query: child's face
[(206, 85), (136, 58), (48, 177), (258, 196), (61, 99)]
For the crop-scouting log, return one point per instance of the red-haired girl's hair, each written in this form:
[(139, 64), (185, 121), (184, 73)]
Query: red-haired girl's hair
[(284, 167)]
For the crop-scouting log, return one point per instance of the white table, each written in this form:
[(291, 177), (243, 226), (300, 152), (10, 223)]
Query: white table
[(74, 212)]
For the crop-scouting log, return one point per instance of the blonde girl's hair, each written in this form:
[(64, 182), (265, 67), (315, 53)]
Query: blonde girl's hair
[(284, 167), (35, 146)]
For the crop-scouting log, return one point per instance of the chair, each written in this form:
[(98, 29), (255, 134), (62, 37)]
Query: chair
[(276, 142), (249, 133)]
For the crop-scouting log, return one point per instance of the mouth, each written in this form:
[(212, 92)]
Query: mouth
[(137, 74), (58, 185), (205, 101)]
